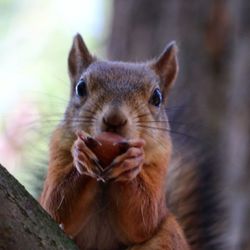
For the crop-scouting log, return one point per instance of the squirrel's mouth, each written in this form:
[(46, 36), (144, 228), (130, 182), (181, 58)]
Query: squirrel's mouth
[(116, 131)]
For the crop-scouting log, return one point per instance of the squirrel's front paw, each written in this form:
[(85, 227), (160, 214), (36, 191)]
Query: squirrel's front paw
[(127, 166), (85, 160)]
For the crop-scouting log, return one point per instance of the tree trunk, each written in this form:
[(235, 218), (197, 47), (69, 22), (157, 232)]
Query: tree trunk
[(211, 96), (23, 223)]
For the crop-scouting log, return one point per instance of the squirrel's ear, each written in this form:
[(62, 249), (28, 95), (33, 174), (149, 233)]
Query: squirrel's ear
[(166, 66), (79, 58)]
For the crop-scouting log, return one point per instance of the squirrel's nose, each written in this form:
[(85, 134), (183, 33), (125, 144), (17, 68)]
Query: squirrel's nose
[(114, 120)]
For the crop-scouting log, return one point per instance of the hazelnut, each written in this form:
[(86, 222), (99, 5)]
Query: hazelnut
[(107, 146)]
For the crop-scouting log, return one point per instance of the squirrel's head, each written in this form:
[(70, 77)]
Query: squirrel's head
[(124, 98)]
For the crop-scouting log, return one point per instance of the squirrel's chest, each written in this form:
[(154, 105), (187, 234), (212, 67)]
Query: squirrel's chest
[(97, 232)]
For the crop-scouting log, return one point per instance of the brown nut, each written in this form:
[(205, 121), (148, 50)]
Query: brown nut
[(107, 146)]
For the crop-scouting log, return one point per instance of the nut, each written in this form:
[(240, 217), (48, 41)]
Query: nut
[(107, 146)]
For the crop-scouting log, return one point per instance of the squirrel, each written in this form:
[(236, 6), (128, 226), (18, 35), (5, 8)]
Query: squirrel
[(127, 208)]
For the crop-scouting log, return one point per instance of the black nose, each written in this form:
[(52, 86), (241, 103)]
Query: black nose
[(114, 120)]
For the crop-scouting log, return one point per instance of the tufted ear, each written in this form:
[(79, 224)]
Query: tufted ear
[(166, 67), (79, 58)]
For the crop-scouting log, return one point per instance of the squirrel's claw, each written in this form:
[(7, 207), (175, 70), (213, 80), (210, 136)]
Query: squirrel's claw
[(126, 166), (85, 160)]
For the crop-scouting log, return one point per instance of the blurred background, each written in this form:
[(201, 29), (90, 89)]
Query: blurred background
[(35, 38), (210, 101)]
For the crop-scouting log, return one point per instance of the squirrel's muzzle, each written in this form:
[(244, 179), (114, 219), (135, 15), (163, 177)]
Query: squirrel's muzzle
[(114, 120)]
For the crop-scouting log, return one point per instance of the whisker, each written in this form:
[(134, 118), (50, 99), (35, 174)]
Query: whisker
[(41, 124), (168, 130), (89, 117), (98, 106), (142, 115), (65, 101), (167, 121), (93, 110), (175, 107), (138, 110), (89, 111), (157, 140), (32, 124)]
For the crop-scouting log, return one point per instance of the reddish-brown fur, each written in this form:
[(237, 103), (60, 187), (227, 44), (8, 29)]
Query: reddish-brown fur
[(130, 212)]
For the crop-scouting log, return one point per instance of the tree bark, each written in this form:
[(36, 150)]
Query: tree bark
[(23, 223)]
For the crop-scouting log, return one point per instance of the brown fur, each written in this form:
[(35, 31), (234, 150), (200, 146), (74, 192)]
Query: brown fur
[(121, 214)]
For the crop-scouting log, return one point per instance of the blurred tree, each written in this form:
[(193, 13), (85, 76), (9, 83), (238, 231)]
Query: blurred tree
[(212, 89)]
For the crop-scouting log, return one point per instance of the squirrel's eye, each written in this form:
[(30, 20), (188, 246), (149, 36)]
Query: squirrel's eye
[(156, 98), (81, 88)]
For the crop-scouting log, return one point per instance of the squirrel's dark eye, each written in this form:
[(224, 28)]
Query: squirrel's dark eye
[(156, 98), (81, 89)]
